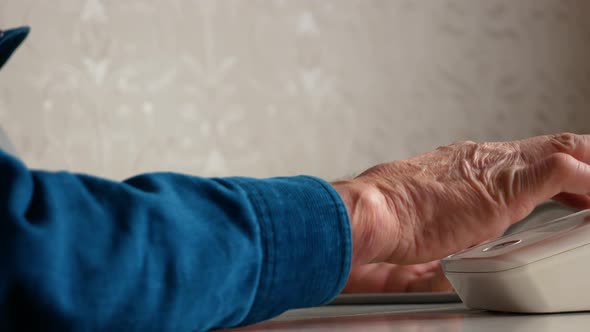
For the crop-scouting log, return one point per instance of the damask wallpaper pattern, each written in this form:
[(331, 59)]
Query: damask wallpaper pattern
[(263, 88)]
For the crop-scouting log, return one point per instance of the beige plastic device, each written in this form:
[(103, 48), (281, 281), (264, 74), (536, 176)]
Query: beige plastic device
[(541, 269)]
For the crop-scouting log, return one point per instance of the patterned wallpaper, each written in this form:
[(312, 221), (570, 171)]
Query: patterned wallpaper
[(263, 88)]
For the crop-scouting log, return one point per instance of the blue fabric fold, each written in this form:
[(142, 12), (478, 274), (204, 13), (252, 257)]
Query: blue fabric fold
[(10, 40)]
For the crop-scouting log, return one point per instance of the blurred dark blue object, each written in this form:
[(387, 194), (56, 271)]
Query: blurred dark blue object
[(9, 42)]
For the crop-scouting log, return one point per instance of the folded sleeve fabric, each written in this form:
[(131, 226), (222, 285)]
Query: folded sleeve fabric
[(10, 40), (164, 251)]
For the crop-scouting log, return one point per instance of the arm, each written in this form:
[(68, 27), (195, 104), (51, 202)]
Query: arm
[(164, 252), (172, 252)]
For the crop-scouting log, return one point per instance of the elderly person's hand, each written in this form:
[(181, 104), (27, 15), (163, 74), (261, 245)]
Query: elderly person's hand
[(425, 208)]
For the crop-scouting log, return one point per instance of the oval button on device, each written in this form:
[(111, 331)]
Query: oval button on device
[(502, 245)]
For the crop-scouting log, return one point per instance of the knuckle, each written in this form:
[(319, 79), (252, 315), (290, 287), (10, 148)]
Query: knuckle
[(561, 163), (564, 142), (559, 159)]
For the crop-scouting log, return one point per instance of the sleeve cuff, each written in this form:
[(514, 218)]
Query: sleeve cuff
[(306, 243)]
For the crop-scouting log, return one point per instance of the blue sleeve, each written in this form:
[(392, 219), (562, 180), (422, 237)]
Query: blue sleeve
[(164, 251)]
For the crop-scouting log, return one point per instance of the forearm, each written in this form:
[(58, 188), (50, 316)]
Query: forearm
[(164, 251)]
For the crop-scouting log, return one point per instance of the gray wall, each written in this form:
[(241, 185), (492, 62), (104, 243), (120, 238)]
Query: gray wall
[(262, 88)]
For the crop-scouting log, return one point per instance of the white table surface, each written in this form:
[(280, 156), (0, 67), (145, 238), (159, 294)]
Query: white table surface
[(422, 317)]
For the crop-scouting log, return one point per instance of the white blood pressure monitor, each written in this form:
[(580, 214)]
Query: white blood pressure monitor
[(538, 270)]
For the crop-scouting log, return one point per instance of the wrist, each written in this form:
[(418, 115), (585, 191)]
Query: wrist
[(369, 226)]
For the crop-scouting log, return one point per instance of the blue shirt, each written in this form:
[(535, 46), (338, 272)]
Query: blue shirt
[(164, 251)]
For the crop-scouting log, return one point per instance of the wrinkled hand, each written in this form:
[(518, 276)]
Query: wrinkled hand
[(425, 208)]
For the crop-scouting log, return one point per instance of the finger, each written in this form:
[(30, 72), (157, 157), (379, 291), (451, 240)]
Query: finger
[(540, 147), (575, 201), (422, 268), (378, 278), (391, 278), (559, 173), (434, 281)]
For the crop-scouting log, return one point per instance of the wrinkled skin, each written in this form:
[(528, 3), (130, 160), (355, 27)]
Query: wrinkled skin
[(420, 210)]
